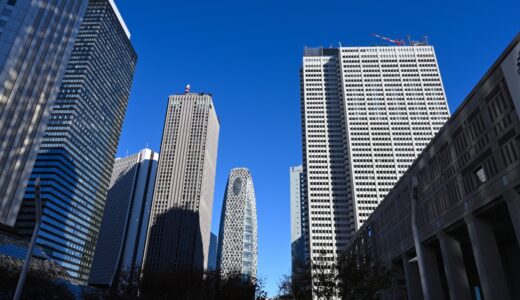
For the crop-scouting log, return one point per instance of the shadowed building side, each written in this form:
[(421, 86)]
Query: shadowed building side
[(298, 221), (122, 236), (212, 256)]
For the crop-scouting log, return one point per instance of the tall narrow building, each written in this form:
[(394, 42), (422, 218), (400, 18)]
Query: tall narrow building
[(180, 223), (122, 237), (367, 112), (212, 256), (77, 153), (237, 245), (36, 39), (298, 221)]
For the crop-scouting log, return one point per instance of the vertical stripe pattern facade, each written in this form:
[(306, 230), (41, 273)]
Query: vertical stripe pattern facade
[(367, 112), (36, 39), (77, 154), (180, 223)]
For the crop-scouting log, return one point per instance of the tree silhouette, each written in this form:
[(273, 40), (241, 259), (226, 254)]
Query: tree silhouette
[(183, 285), (45, 279)]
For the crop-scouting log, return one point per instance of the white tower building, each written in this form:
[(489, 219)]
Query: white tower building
[(367, 112), (237, 245)]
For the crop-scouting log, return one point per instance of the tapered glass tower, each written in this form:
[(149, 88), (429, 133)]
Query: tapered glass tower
[(237, 246)]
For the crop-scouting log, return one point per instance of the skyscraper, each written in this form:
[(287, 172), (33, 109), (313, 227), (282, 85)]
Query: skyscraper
[(36, 39), (237, 245), (298, 225), (78, 149), (367, 112), (180, 222), (122, 236), (212, 256)]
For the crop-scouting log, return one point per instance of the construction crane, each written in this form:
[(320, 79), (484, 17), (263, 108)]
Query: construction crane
[(396, 42)]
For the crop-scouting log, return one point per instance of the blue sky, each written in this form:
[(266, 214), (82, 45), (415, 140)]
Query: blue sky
[(247, 54)]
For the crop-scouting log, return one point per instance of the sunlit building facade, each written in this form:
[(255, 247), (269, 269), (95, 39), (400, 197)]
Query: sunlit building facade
[(238, 245), (36, 40), (367, 113), (180, 221), (78, 149)]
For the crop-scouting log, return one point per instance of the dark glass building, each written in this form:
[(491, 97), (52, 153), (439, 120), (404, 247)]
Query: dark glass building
[(77, 153), (122, 237)]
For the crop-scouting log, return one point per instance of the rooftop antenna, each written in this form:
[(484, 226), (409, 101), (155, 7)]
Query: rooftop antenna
[(187, 89), (426, 40), (409, 38)]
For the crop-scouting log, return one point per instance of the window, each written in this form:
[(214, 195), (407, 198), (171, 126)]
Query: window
[(481, 175)]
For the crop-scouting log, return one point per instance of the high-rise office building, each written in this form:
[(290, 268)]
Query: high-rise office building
[(237, 245), (122, 236), (78, 149), (367, 112), (298, 225), (180, 222), (36, 39), (212, 255)]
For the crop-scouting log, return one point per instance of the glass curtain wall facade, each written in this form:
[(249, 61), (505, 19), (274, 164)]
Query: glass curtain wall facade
[(238, 245), (78, 149), (36, 39)]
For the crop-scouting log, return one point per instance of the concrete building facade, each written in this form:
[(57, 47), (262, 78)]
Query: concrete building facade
[(122, 236), (238, 235), (451, 224), (367, 112), (77, 152), (179, 232), (36, 39)]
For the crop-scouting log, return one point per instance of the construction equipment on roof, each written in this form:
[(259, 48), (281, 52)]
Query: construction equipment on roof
[(396, 42)]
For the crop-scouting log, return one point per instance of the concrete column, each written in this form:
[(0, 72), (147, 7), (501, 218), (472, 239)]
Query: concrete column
[(487, 257), (454, 267), (431, 274), (413, 279), (512, 199)]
